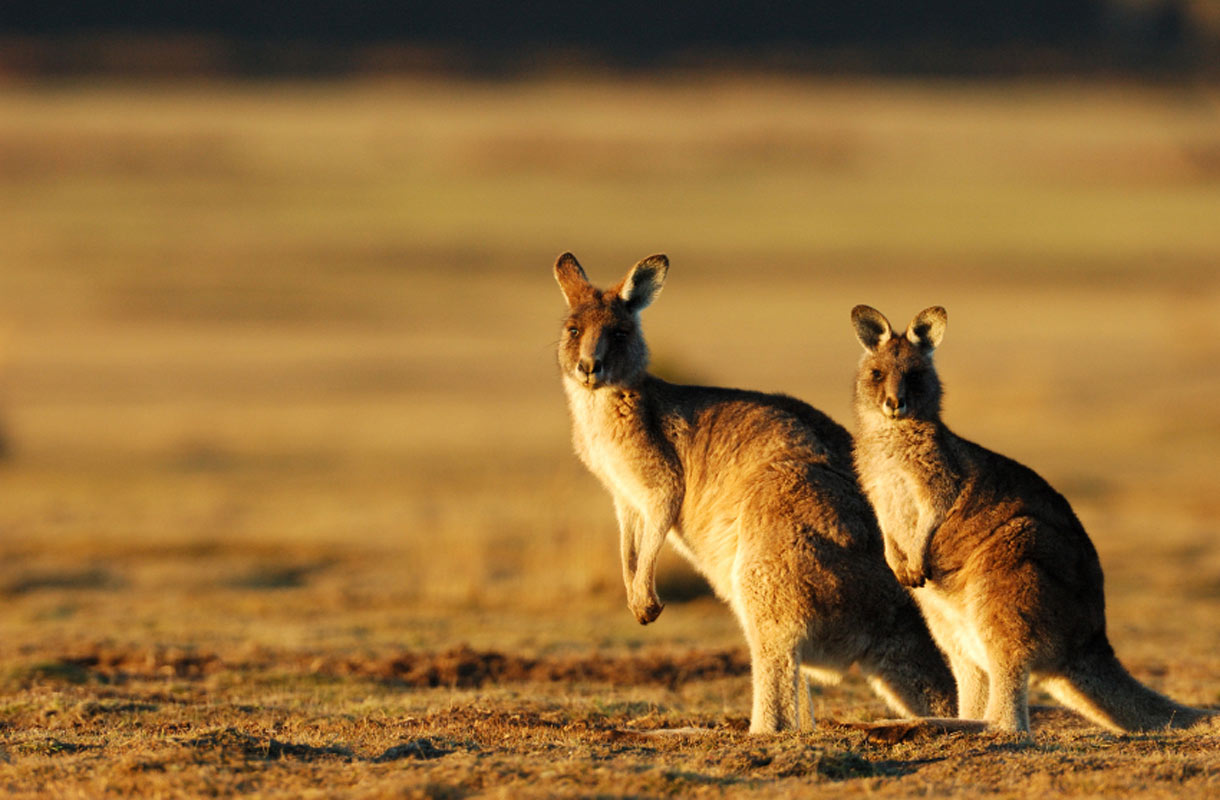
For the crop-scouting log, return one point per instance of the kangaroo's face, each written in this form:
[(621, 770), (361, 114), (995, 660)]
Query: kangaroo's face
[(600, 343), (897, 379)]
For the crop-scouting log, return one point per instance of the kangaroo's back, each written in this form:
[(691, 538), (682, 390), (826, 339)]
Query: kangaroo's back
[(716, 430)]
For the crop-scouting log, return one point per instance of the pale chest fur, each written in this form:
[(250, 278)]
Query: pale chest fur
[(895, 487), (606, 432), (895, 500)]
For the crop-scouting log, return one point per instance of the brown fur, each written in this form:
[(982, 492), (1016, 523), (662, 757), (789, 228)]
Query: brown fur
[(1003, 570), (758, 492)]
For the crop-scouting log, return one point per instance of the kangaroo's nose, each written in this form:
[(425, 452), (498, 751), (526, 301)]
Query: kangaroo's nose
[(589, 366), (893, 403)]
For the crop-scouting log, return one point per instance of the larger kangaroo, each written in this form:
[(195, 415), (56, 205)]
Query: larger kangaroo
[(1008, 579), (758, 492)]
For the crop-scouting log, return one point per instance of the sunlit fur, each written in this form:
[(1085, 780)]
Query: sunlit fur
[(758, 492), (1004, 572)]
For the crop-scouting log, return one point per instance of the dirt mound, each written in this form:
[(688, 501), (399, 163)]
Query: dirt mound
[(113, 664), (468, 668), (460, 666)]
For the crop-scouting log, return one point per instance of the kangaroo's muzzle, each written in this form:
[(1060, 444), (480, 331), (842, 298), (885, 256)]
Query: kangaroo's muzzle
[(894, 407), (590, 370)]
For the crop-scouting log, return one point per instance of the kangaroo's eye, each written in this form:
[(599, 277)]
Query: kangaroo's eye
[(619, 335), (573, 331), (877, 376)]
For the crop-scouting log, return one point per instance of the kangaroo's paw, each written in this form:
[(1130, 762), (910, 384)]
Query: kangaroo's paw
[(908, 574), (647, 609), (911, 578)]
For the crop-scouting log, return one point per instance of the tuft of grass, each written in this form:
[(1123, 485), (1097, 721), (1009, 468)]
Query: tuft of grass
[(49, 746)]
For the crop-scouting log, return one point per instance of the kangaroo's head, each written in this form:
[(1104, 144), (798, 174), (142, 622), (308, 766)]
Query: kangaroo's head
[(601, 343), (897, 380)]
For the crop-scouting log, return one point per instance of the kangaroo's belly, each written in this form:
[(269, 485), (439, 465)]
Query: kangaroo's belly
[(951, 623), (711, 550)]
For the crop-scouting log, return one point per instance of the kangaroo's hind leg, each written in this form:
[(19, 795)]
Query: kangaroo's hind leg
[(972, 686), (1008, 695), (905, 667), (778, 685), (816, 668), (775, 637), (953, 636)]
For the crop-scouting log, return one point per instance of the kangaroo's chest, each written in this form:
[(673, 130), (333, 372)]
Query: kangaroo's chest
[(611, 463), (609, 444), (896, 497)]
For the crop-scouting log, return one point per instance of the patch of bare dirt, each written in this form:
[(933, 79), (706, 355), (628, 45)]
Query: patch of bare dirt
[(459, 667), (468, 668)]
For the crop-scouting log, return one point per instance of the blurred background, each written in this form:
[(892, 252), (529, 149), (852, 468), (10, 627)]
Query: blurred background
[(277, 316)]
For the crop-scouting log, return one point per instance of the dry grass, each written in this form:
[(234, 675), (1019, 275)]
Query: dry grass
[(283, 429)]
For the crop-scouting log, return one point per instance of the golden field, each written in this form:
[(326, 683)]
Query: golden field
[(287, 503)]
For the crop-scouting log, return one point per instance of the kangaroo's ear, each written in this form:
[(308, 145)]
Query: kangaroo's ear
[(572, 280), (872, 328), (928, 328), (643, 283)]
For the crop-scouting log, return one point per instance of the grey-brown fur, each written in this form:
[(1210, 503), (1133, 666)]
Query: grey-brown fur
[(758, 492), (1005, 574)]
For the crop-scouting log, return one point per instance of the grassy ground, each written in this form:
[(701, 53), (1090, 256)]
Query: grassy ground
[(287, 504)]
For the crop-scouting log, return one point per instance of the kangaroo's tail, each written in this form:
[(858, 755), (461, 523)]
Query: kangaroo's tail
[(1097, 686)]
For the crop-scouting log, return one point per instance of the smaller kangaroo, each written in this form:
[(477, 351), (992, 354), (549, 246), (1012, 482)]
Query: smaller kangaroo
[(1005, 574), (759, 493)]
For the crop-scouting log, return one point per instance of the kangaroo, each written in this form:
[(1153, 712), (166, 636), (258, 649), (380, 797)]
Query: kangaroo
[(759, 493), (1005, 574)]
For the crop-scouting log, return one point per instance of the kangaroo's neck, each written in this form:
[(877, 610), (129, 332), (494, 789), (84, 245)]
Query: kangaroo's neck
[(923, 448), (610, 421)]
